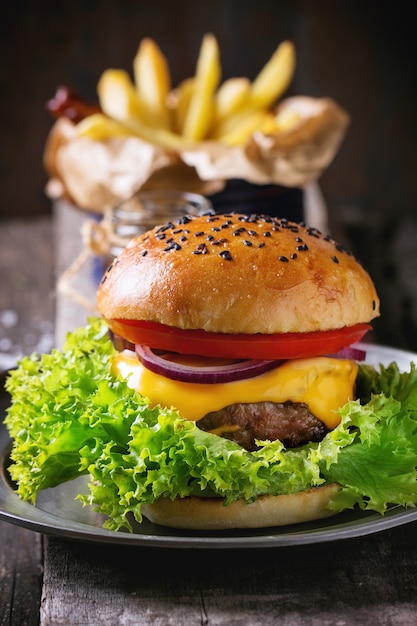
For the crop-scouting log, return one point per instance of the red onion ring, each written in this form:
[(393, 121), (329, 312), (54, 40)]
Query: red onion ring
[(352, 353), (206, 374)]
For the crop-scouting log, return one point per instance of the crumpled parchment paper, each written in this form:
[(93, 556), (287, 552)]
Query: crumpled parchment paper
[(96, 175)]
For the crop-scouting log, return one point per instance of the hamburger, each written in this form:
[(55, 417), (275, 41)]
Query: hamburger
[(229, 318), (222, 387)]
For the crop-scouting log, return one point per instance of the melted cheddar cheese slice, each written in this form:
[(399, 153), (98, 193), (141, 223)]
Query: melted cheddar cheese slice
[(323, 383)]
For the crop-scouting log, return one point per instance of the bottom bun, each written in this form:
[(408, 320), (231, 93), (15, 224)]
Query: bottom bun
[(211, 513)]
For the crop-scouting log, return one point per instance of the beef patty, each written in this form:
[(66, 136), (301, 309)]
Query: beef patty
[(290, 422)]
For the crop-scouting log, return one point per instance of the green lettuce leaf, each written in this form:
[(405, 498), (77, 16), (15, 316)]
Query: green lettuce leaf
[(379, 467), (61, 402), (70, 416)]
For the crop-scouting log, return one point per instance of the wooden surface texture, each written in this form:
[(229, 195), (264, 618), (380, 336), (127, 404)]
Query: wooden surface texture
[(27, 309)]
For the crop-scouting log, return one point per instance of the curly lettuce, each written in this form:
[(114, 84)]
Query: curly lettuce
[(69, 416)]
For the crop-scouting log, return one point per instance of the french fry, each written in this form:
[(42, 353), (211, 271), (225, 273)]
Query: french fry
[(286, 120), (199, 108), (242, 128), (153, 81), (231, 96), (275, 76), (181, 98), (267, 87), (207, 77), (118, 98), (100, 128)]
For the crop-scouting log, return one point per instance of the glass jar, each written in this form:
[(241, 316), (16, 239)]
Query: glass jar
[(147, 209)]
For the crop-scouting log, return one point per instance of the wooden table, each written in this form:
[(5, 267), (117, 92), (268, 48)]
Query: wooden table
[(50, 581)]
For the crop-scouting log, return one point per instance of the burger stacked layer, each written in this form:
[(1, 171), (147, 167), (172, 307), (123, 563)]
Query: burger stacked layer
[(223, 387), (267, 294)]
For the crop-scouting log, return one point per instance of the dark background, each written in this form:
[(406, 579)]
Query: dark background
[(359, 52)]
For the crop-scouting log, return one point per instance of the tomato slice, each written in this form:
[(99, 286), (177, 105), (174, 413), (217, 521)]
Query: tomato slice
[(239, 346)]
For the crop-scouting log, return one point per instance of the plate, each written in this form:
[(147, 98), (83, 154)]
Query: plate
[(58, 513)]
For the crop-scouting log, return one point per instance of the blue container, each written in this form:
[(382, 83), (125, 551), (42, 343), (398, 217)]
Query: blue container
[(240, 196)]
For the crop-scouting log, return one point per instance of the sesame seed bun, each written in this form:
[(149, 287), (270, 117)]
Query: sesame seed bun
[(238, 274)]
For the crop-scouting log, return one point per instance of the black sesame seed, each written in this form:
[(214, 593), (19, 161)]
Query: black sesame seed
[(294, 256), (373, 305), (216, 229), (199, 234), (183, 238), (109, 269), (172, 246), (184, 220), (252, 232), (313, 232), (103, 280), (253, 219), (283, 259), (144, 253), (226, 255), (335, 259), (261, 245), (267, 233), (247, 243), (161, 236)]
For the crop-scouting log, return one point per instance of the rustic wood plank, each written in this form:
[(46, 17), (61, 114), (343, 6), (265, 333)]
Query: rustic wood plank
[(27, 298), (369, 580), (26, 324), (20, 575)]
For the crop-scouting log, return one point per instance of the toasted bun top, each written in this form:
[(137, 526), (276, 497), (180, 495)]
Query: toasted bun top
[(238, 274)]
